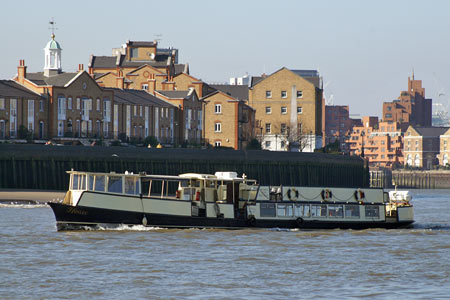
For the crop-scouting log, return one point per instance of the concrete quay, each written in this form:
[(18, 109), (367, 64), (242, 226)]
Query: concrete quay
[(30, 196)]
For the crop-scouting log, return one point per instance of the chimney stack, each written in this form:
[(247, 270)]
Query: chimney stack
[(21, 71), (120, 81), (80, 67)]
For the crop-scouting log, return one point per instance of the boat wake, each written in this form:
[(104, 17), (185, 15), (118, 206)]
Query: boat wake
[(432, 226), (22, 204), (120, 227)]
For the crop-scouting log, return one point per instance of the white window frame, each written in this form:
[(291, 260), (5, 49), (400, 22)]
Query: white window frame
[(299, 110), (285, 110), (268, 94), (268, 110), (69, 103), (31, 115), (284, 94), (268, 128), (217, 143), (218, 108), (299, 94), (217, 127)]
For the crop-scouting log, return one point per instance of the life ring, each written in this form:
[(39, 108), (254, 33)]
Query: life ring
[(299, 222), (292, 193), (358, 194), (326, 194), (251, 221)]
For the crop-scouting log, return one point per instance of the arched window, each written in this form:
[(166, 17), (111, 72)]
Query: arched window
[(409, 160), (417, 160)]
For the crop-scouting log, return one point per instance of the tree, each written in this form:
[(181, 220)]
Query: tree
[(254, 145)]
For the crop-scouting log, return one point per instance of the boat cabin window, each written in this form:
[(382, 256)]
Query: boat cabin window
[(301, 210), (131, 185), (115, 184), (285, 210), (352, 211), (267, 210), (209, 184), (99, 184), (91, 182), (372, 211), (336, 211), (318, 210), (78, 182)]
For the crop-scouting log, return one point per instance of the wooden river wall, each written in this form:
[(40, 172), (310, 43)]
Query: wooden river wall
[(44, 167), (432, 179), (416, 179)]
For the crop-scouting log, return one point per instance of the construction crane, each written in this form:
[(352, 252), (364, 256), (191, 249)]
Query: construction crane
[(328, 100), (440, 111)]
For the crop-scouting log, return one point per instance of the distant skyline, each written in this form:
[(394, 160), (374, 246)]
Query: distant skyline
[(364, 50)]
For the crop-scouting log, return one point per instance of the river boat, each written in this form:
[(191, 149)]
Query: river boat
[(222, 200)]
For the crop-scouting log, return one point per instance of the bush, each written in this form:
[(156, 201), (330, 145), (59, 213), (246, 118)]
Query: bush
[(24, 134), (123, 137), (150, 140), (115, 143)]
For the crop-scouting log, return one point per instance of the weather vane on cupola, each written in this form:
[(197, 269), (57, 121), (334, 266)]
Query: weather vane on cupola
[(53, 28)]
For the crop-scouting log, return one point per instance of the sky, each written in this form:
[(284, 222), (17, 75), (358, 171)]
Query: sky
[(365, 50)]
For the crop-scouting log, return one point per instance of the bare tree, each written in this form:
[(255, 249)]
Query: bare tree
[(298, 138)]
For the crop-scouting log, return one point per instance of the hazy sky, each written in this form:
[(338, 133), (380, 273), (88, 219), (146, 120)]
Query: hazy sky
[(365, 50)]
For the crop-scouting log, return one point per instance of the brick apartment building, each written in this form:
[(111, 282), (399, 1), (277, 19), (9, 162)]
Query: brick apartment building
[(381, 143), (338, 124), (411, 107)]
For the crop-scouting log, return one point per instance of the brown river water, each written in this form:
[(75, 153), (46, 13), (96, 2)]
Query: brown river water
[(37, 262)]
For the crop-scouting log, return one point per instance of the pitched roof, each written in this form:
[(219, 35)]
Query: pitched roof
[(157, 63), (181, 68), (10, 88), (312, 76), (103, 61), (255, 79), (56, 80), (175, 94), (431, 131), (239, 92), (129, 96)]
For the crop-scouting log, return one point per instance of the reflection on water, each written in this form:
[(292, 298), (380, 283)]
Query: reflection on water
[(147, 263)]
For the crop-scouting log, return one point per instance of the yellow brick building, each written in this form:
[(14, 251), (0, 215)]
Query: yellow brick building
[(289, 109), (229, 122)]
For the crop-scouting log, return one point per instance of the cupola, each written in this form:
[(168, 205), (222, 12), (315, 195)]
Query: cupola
[(52, 58)]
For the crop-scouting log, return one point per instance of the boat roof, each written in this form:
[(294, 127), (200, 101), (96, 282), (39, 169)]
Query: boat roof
[(182, 177)]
